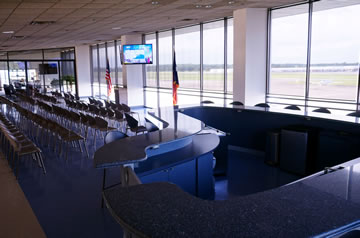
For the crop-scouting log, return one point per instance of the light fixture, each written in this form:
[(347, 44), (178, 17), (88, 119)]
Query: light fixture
[(116, 28), (8, 32), (208, 6), (198, 6), (231, 2), (154, 2)]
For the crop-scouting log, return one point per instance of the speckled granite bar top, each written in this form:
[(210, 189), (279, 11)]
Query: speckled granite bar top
[(303, 209)]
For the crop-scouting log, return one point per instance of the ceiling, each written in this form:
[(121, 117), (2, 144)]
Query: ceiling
[(75, 22)]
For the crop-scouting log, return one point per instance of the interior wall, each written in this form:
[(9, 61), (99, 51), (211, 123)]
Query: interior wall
[(82, 55), (250, 47), (133, 76)]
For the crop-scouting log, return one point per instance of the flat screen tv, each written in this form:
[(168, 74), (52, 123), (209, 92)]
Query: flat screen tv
[(50, 68), (137, 54)]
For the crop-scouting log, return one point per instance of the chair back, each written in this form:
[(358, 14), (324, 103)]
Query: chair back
[(125, 108), (265, 105), (354, 114), (293, 107), (237, 103), (132, 122), (113, 136), (207, 102), (322, 110), (101, 123), (118, 114)]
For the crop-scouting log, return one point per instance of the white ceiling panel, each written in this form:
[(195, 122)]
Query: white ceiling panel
[(87, 21)]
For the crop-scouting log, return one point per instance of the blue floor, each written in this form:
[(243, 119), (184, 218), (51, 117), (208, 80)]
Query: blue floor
[(67, 200), (247, 174)]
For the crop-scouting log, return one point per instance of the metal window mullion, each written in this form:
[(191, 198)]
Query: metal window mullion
[(143, 68), (201, 58), (92, 70), (157, 60), (268, 53), (116, 64), (358, 90), (307, 88), (8, 66), (225, 55), (98, 64)]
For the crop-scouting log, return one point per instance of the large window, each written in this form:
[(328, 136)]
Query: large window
[(47, 70), (187, 45), (316, 59), (99, 55), (213, 58), (151, 68), (165, 59), (230, 54), (201, 53), (335, 51), (289, 34)]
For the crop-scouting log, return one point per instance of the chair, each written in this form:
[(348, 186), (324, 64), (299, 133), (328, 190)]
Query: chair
[(102, 126), (322, 110), (207, 102), (354, 114), (134, 124), (293, 107), (264, 105), (237, 103)]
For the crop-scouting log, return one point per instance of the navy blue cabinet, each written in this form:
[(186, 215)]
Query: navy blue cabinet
[(183, 175), (205, 181)]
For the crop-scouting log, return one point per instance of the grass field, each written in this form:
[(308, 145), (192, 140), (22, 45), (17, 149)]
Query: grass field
[(326, 78)]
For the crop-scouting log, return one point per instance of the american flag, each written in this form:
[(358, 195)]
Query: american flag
[(108, 77)]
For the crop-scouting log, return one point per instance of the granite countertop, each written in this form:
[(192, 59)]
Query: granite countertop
[(133, 149), (306, 208), (302, 113), (201, 144)]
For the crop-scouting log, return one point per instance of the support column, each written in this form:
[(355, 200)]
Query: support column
[(250, 45), (82, 55), (133, 91)]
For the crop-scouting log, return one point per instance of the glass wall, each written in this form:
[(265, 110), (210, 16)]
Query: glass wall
[(200, 58), (99, 55), (315, 54), (289, 33), (165, 59), (335, 51), (45, 70), (230, 54), (187, 45), (151, 68), (213, 48)]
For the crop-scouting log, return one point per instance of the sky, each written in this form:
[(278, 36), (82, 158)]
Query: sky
[(335, 39)]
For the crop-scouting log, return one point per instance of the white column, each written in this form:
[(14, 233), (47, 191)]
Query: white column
[(250, 39), (83, 75), (132, 76)]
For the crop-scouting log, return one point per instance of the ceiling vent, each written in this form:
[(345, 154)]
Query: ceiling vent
[(17, 37), (35, 23), (187, 19)]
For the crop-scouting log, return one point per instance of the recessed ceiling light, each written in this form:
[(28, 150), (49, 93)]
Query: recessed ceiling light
[(154, 2), (8, 32), (231, 2), (198, 6), (208, 6), (116, 28)]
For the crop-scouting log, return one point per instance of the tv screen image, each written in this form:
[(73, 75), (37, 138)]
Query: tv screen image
[(137, 54), (50, 68)]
